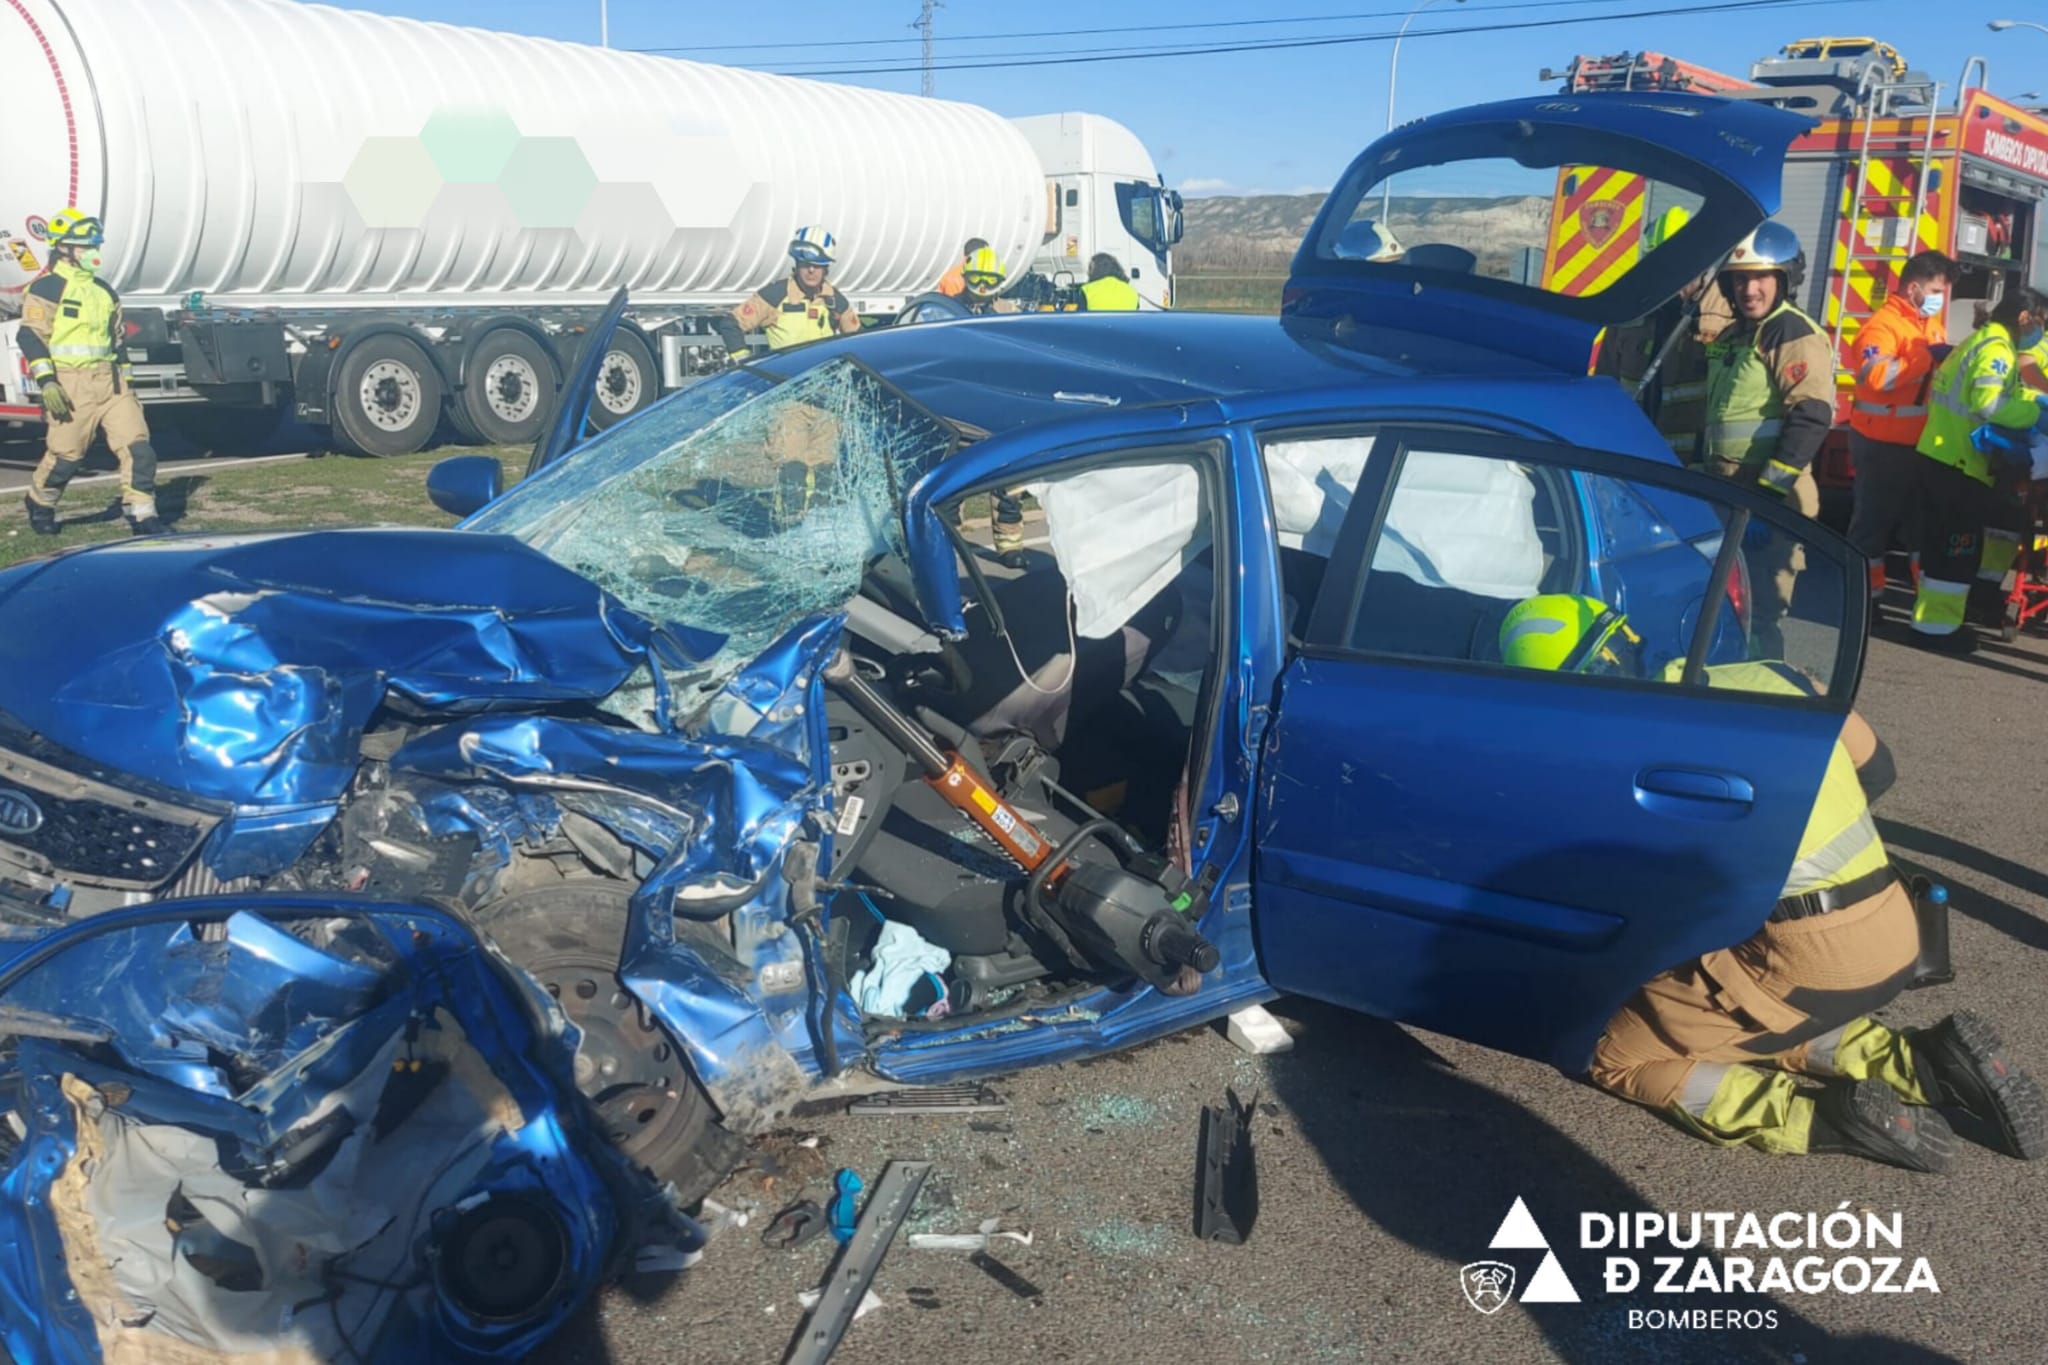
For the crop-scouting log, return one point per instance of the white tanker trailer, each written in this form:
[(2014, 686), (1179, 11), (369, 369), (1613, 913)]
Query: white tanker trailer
[(380, 225)]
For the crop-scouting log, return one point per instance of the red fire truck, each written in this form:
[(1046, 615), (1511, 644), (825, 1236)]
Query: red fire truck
[(1898, 163)]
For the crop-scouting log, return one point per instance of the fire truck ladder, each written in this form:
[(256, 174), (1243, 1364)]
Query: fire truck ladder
[(1881, 101)]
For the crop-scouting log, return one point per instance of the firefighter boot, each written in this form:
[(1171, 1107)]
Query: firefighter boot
[(145, 524), (42, 520), (1960, 1061), (1864, 1118)]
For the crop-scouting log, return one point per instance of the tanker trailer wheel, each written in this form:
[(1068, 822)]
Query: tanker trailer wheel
[(568, 938), (509, 394), (627, 382), (387, 398)]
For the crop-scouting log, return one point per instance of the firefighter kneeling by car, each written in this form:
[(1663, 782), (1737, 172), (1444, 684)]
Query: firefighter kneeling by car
[(1796, 996), (74, 341)]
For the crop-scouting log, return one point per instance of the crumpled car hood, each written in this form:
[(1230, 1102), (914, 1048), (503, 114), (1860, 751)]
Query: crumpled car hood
[(244, 668)]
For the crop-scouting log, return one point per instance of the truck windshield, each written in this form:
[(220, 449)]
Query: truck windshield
[(1145, 214), (737, 508)]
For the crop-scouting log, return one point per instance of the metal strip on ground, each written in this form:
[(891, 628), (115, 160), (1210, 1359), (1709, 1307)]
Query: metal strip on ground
[(854, 1271)]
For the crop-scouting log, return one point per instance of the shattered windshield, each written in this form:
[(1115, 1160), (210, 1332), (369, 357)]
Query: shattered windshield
[(737, 508)]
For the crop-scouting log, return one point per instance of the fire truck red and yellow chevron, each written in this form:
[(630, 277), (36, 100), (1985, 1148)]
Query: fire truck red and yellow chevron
[(1596, 228)]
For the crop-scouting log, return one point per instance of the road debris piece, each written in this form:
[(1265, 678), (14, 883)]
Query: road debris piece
[(1226, 1178), (844, 1209), (969, 1098), (1004, 1276), (1256, 1031), (794, 1226), (966, 1241), (807, 1299), (853, 1270)]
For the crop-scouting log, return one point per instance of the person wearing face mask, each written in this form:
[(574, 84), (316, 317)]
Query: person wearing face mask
[(1975, 450), (75, 343), (1896, 353), (1770, 405)]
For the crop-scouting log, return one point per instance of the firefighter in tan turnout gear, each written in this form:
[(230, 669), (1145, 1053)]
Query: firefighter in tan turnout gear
[(1770, 403), (1721, 1044), (74, 341), (802, 306)]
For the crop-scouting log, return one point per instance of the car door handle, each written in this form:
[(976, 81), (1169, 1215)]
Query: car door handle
[(1695, 793)]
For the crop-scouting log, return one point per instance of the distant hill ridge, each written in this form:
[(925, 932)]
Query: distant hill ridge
[(1258, 233)]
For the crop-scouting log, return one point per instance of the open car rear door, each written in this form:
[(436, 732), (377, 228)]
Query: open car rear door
[(1505, 854)]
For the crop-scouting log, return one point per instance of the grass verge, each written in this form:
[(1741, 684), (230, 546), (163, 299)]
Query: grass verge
[(321, 490)]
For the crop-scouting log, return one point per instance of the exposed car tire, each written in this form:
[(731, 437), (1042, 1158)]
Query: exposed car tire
[(627, 382), (508, 392), (568, 938), (387, 397), (226, 431)]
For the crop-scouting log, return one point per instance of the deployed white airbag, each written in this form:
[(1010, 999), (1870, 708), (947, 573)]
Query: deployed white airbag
[(1458, 521), (1120, 536)]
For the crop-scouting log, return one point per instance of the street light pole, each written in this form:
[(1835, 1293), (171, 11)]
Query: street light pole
[(1393, 73), (604, 23), (2001, 25)]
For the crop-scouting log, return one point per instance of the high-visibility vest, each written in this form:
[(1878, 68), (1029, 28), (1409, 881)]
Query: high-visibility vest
[(1840, 842), (801, 318), (1978, 383), (83, 332), (1110, 295), (1745, 411)]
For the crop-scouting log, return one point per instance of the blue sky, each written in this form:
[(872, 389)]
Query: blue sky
[(1276, 121)]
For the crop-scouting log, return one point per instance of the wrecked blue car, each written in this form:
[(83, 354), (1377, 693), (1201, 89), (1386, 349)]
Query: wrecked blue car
[(724, 728), (295, 1129)]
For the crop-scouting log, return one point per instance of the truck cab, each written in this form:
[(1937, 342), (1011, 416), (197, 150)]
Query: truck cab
[(1103, 194)]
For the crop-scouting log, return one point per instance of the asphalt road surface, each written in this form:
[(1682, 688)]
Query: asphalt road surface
[(1388, 1158)]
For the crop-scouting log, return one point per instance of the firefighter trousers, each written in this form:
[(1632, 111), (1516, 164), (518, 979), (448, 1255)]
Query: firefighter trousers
[(1774, 568), (100, 402), (1887, 514), (1794, 997)]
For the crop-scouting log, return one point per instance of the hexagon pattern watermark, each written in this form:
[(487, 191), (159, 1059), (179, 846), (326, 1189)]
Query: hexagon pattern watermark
[(543, 182), (392, 182), (547, 181), (470, 145)]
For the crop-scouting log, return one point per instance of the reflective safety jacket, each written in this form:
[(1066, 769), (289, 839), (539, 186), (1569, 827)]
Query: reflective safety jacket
[(1893, 365), (1770, 397), (1978, 383), (71, 320), (788, 316), (1109, 295), (1840, 842)]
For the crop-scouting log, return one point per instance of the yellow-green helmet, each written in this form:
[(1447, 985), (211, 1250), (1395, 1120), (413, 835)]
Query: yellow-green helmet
[(1665, 226), (1565, 632), (983, 273), (75, 227)]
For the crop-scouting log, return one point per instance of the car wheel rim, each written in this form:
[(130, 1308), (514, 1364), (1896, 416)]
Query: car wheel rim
[(390, 394), (618, 385), (512, 388), (625, 1064)]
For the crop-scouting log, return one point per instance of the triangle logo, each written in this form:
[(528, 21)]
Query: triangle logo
[(1550, 1284), (1518, 1231)]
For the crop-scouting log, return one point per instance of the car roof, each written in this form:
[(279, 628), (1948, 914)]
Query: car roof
[(1001, 374)]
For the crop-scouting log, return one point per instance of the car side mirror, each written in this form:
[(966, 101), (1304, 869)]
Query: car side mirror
[(464, 484)]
